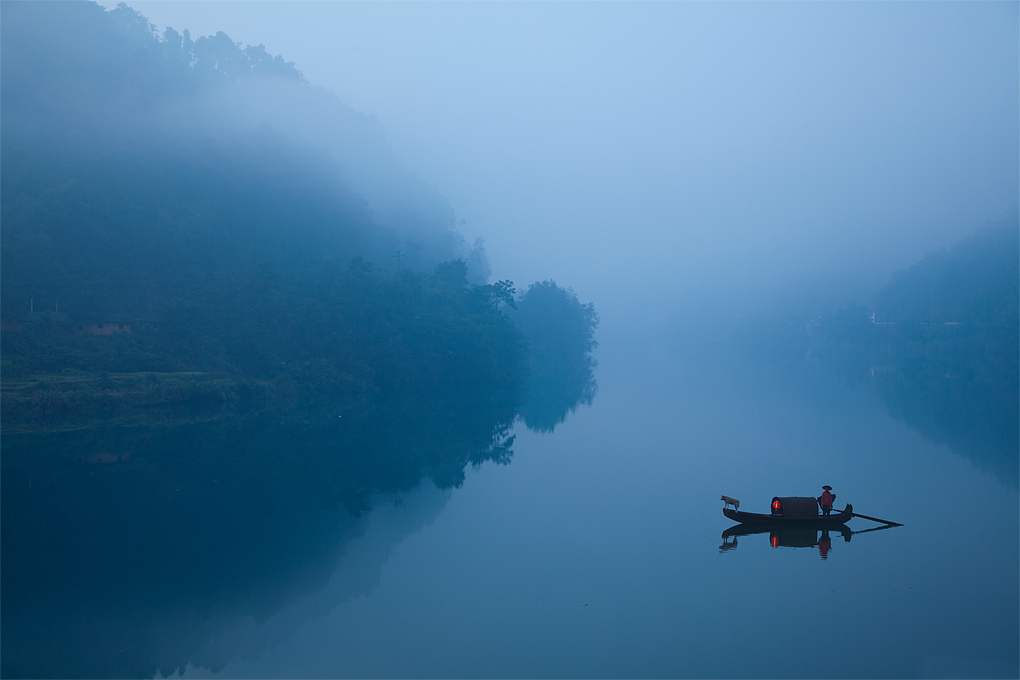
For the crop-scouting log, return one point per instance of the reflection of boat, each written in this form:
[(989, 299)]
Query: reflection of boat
[(786, 535), (782, 530)]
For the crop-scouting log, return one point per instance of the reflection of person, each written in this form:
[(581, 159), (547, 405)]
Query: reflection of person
[(824, 544), (826, 500)]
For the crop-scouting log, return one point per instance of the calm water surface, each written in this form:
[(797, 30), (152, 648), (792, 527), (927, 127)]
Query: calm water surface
[(597, 552)]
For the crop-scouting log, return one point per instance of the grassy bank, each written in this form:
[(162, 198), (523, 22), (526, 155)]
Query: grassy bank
[(56, 403)]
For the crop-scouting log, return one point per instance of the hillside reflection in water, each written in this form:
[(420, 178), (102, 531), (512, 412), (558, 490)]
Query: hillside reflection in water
[(132, 551)]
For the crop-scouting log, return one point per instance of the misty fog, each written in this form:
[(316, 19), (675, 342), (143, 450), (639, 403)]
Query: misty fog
[(697, 154)]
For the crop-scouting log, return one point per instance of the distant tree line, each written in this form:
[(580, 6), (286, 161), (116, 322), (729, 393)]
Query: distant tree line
[(941, 345)]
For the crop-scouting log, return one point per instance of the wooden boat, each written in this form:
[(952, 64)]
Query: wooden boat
[(790, 511), (819, 521)]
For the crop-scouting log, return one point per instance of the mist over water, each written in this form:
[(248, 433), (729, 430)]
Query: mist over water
[(280, 398)]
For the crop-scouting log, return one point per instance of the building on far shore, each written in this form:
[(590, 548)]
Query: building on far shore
[(107, 324), (104, 328)]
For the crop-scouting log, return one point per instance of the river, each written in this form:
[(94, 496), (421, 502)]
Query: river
[(596, 552)]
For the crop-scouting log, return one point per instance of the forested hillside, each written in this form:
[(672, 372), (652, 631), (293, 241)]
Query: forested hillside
[(140, 168), (104, 90), (189, 225)]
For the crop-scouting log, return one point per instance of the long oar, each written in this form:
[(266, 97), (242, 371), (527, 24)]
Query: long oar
[(875, 519)]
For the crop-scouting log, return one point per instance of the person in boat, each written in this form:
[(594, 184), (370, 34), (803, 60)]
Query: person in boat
[(826, 500)]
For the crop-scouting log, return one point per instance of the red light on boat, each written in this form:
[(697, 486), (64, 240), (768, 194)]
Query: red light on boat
[(776, 505)]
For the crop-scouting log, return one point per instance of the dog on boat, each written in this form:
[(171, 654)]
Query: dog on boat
[(731, 501)]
